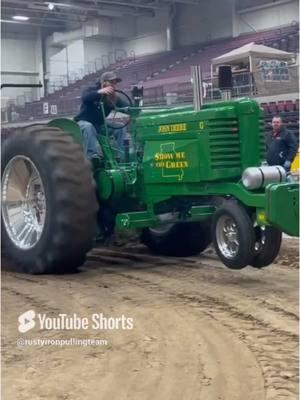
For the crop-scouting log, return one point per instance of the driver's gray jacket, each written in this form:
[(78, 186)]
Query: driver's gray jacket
[(90, 109)]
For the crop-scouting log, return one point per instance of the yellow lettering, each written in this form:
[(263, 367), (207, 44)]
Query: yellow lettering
[(201, 125), (176, 164), (180, 154), (164, 129), (163, 156), (171, 160), (172, 128)]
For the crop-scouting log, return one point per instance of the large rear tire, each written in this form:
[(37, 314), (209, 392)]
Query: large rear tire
[(178, 240), (49, 203)]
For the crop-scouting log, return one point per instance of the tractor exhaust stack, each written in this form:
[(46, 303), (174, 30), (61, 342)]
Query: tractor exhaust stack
[(197, 87)]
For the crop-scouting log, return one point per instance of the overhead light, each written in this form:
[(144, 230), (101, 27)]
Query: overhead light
[(20, 18), (51, 6)]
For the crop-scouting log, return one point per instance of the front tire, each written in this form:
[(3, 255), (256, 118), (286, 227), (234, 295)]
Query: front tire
[(48, 201), (267, 246), (233, 235)]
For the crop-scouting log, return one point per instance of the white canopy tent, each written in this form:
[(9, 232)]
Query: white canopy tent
[(248, 51), (264, 66)]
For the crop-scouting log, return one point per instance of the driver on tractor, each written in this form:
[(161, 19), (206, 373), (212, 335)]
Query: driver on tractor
[(90, 117)]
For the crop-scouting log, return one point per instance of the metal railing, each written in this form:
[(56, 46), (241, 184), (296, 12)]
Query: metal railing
[(177, 93), (13, 109), (57, 82)]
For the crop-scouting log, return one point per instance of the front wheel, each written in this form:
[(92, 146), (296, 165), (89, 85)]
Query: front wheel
[(267, 245), (48, 201), (233, 235)]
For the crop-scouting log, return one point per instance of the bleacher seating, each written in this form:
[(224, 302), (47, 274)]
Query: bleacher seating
[(161, 72), (289, 112)]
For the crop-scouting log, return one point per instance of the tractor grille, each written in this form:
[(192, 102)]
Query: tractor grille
[(224, 143), (262, 139)]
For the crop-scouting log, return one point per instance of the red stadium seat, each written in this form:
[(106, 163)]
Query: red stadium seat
[(265, 107), (281, 106), (289, 105), (273, 107)]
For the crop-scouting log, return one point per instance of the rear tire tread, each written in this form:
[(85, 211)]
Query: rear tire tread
[(69, 177)]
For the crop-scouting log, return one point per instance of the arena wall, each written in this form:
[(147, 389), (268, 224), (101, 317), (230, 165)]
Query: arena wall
[(274, 15), (150, 35), (21, 62)]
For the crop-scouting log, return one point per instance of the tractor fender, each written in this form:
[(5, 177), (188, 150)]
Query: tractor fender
[(69, 126)]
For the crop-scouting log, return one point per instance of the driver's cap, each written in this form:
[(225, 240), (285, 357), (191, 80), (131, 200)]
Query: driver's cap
[(110, 76)]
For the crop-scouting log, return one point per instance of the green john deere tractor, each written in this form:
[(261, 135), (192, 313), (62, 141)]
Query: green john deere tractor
[(196, 177)]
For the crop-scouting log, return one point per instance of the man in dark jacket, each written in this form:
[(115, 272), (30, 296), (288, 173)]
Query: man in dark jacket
[(90, 117), (281, 145)]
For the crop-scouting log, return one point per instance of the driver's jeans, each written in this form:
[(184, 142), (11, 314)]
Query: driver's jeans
[(91, 145)]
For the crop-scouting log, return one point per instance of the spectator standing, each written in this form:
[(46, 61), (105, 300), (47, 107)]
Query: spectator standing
[(281, 145)]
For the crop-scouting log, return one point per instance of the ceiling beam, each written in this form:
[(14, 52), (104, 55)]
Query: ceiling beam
[(262, 6), (8, 21), (130, 4), (110, 5), (187, 2), (81, 9), (93, 5), (42, 14)]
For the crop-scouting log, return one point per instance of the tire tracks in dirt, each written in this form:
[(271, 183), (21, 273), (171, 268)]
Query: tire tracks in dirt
[(201, 331), (274, 340)]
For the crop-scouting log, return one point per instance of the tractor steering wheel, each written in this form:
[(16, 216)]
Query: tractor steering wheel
[(112, 120)]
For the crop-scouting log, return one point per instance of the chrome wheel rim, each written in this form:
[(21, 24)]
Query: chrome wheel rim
[(227, 237), (23, 202), (162, 229)]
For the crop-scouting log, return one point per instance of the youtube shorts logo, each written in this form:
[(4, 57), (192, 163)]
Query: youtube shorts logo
[(26, 321)]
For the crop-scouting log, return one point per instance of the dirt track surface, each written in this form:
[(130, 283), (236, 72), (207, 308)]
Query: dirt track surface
[(201, 331)]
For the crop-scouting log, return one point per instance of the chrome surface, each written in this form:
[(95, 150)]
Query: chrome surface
[(161, 229), (23, 202), (227, 237)]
